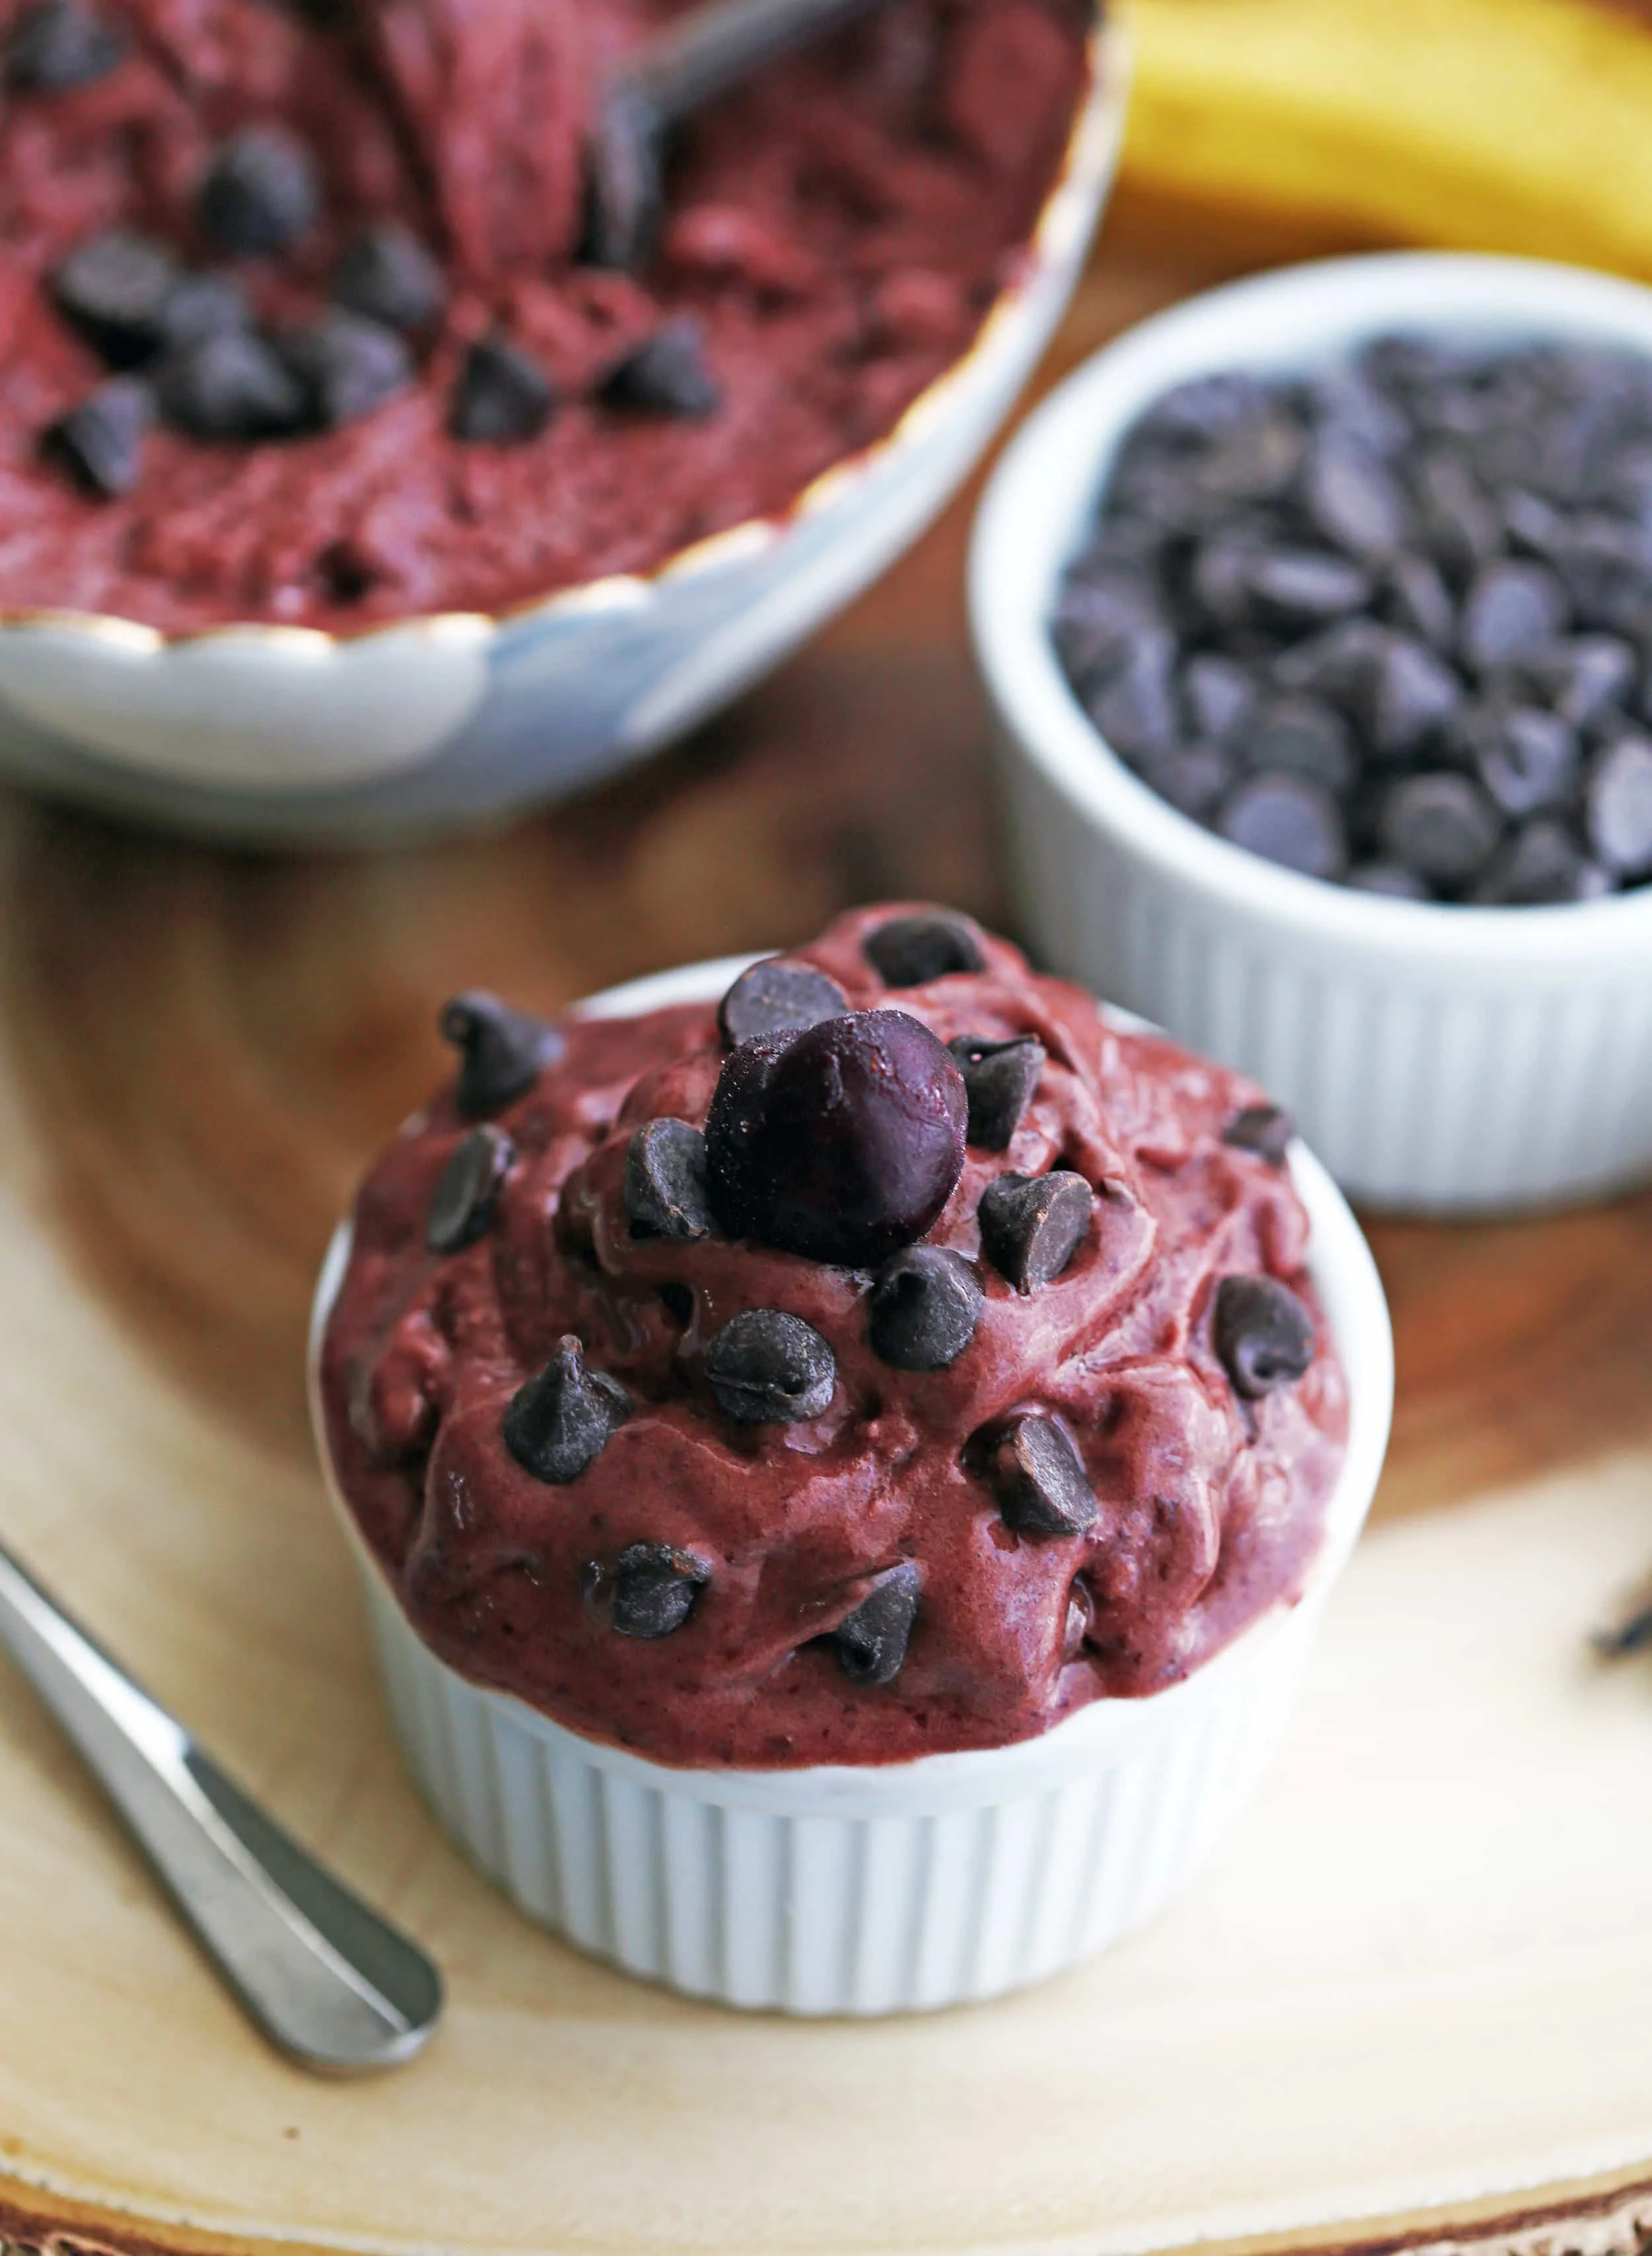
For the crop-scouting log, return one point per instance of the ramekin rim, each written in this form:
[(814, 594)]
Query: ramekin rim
[(1047, 725), (1343, 1273), (1097, 119)]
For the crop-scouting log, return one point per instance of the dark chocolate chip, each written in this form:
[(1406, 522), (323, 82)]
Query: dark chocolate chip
[(347, 367), (1442, 826), (1263, 1334), (1289, 820), (1032, 1225), (114, 288), (502, 1052), (910, 951), (925, 1307), (1512, 610), (1203, 408), (1217, 695), (1257, 460), (1305, 586), (1339, 663), (650, 1590), (1349, 409), (1300, 735), (1617, 803), (1605, 566), (1039, 1480), (202, 305), (1389, 880), (259, 194), (624, 191), (842, 1143), (503, 397), (1099, 619), (1542, 866), (872, 1642), (561, 1421), (1583, 679), (1135, 709), (229, 385), (101, 442), (467, 1193), (1264, 1129), (1352, 502), (58, 44), (665, 1193), (1408, 697), (666, 375), (1194, 779), (778, 997), (1420, 602), (1528, 759), (387, 275), (998, 1080), (1460, 528), (767, 1368)]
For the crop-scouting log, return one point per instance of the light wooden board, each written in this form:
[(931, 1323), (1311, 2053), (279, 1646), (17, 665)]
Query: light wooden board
[(1420, 1975)]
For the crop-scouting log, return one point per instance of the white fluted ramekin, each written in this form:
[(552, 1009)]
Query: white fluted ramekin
[(1439, 1060), (271, 735), (892, 1888)]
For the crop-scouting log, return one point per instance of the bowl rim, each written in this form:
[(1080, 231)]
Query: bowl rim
[(1094, 134), (1037, 503), (1345, 1275)]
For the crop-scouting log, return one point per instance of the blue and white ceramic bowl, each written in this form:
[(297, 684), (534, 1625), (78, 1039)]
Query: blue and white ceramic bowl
[(271, 734)]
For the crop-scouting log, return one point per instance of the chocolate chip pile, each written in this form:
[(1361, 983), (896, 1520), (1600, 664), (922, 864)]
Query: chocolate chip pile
[(1389, 623), (180, 330), (828, 1301)]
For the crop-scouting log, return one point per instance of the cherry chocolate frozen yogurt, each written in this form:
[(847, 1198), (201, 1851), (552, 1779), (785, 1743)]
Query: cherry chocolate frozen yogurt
[(297, 324), (892, 1359)]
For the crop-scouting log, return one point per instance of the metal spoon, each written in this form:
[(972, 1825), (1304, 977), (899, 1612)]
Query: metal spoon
[(327, 1980), (699, 57)]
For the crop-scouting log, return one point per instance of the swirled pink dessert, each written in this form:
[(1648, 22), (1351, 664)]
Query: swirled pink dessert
[(892, 1359)]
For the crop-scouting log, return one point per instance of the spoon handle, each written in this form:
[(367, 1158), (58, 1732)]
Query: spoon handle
[(706, 52), (325, 1979)]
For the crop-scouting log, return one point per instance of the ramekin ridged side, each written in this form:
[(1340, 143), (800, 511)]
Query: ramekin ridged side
[(1440, 1059), (894, 1888)]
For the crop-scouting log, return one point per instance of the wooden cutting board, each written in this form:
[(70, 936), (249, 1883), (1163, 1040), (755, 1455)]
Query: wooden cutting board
[(1417, 1985)]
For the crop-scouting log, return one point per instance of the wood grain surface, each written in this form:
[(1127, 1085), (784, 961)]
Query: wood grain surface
[(198, 1054)]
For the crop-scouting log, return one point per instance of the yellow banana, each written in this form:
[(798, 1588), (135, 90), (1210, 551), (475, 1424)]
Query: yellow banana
[(1519, 125)]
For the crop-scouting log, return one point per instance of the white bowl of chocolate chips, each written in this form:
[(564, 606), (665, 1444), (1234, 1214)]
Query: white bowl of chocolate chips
[(348, 493), (1318, 615)]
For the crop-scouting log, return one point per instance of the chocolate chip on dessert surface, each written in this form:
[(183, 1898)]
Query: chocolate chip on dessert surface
[(1264, 1129), (229, 385), (767, 1368), (1442, 827), (114, 288), (259, 194), (910, 951), (872, 1642), (842, 1143), (1618, 806), (58, 44), (1032, 1225), (347, 367), (201, 306), (649, 1591), (924, 1308), (999, 1080), (1039, 1480), (502, 1052), (503, 397), (665, 1193), (1263, 1334), (1288, 819), (666, 375), (561, 1421), (387, 274), (100, 440), (468, 1191), (775, 997)]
